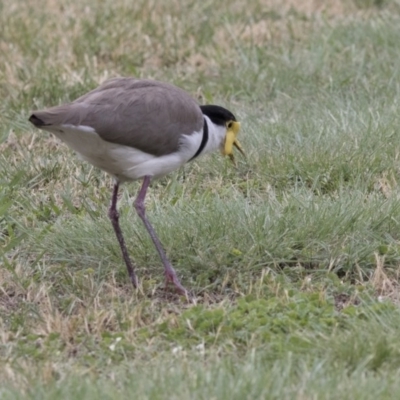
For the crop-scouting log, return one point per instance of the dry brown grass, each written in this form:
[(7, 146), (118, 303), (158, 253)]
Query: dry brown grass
[(158, 39)]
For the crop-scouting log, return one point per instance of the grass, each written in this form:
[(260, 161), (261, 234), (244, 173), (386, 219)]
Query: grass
[(292, 257)]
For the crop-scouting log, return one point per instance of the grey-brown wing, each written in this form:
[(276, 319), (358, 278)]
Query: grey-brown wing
[(148, 115)]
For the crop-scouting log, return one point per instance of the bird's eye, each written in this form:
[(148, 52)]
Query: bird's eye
[(229, 124)]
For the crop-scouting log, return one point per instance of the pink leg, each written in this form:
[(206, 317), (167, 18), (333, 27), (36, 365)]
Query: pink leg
[(114, 217), (170, 274)]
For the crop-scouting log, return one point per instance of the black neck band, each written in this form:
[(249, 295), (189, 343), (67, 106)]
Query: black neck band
[(204, 140)]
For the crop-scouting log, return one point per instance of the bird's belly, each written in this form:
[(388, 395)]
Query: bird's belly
[(124, 162)]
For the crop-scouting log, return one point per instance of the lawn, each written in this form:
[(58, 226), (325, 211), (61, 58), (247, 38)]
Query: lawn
[(292, 257)]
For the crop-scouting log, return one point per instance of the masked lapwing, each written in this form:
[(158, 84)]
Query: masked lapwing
[(140, 129)]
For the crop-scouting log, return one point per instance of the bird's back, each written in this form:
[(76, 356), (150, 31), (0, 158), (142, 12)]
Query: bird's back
[(148, 115)]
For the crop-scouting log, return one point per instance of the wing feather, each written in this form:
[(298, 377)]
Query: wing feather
[(148, 115)]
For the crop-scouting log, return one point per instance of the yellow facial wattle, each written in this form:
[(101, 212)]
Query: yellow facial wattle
[(231, 140)]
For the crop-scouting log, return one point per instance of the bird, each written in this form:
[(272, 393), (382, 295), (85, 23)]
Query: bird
[(140, 129)]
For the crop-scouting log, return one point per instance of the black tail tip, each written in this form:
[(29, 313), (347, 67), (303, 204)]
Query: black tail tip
[(36, 121)]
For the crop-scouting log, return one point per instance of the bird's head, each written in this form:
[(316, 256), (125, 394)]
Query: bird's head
[(223, 117)]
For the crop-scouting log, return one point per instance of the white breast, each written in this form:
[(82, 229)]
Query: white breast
[(123, 162)]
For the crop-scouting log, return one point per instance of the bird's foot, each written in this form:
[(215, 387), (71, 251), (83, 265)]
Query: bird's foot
[(171, 277)]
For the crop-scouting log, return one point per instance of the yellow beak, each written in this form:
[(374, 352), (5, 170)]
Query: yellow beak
[(231, 140)]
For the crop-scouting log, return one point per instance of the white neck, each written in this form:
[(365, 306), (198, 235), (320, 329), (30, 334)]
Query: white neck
[(191, 143), (216, 136)]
